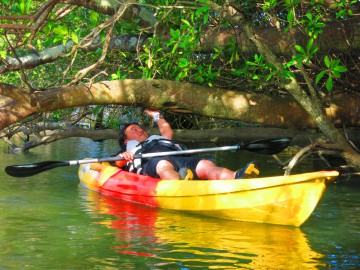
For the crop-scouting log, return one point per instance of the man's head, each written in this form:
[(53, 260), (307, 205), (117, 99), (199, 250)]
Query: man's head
[(132, 132)]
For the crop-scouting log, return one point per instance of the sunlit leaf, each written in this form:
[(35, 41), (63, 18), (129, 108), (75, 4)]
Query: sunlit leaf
[(183, 62), (175, 33), (74, 37), (327, 61), (290, 16), (186, 22), (340, 69), (300, 49), (94, 16), (329, 84), (320, 25), (3, 54), (60, 30)]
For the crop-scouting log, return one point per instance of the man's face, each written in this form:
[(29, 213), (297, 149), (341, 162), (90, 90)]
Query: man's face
[(135, 132)]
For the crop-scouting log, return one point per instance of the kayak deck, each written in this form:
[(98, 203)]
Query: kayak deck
[(284, 200)]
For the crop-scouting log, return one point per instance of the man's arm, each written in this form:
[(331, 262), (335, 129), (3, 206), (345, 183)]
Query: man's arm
[(164, 127)]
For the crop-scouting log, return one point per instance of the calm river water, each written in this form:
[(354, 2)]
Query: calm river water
[(49, 221)]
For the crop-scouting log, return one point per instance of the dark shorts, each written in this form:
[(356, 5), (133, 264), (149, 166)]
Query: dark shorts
[(149, 168)]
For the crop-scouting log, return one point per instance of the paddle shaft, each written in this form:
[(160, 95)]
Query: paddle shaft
[(267, 146), (158, 154)]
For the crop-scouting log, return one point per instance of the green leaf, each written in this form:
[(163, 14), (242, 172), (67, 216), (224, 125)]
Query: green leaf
[(288, 74), (183, 62), (313, 50), (309, 44), (22, 7), (335, 63), (39, 44), (114, 76), (290, 16), (336, 74), (175, 33), (203, 12), (206, 18), (15, 8), (28, 5), (249, 63), (97, 109), (340, 68), (60, 30), (174, 48), (341, 14), (319, 25), (237, 72), (329, 84), (327, 61), (94, 16), (290, 63), (3, 54), (56, 39), (214, 56), (74, 37), (319, 76), (300, 49), (186, 22), (272, 74)]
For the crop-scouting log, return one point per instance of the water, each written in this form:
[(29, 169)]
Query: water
[(49, 221)]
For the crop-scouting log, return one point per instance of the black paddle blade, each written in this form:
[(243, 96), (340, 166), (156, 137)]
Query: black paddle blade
[(25, 170), (267, 146)]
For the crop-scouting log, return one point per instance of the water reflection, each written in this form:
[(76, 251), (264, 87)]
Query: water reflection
[(45, 224), (174, 239)]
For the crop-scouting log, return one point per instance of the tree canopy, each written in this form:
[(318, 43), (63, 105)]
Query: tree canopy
[(289, 64)]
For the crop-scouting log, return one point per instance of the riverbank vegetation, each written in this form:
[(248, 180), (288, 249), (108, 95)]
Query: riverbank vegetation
[(234, 66)]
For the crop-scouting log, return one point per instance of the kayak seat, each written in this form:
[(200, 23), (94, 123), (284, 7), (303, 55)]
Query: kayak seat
[(251, 170)]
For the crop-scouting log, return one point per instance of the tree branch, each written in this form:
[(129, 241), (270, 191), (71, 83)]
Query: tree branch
[(110, 24), (14, 93)]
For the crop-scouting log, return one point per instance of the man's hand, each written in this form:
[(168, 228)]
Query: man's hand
[(128, 156), (151, 113), (163, 125)]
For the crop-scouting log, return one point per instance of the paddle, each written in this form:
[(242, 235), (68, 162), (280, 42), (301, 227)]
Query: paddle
[(265, 146)]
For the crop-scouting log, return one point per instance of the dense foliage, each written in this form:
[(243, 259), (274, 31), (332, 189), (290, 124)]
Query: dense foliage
[(303, 48)]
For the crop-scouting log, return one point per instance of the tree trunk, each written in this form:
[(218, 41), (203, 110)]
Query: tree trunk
[(310, 104)]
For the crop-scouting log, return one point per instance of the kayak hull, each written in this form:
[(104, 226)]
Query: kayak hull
[(283, 200)]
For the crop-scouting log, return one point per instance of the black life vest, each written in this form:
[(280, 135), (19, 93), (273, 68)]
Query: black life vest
[(153, 146)]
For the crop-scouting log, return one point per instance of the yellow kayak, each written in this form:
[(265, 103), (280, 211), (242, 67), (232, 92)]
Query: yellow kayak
[(284, 200)]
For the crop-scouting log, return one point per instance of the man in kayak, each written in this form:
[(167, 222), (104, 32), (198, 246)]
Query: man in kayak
[(134, 140)]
